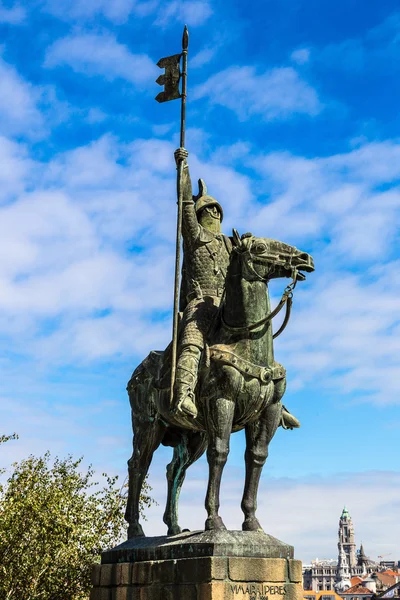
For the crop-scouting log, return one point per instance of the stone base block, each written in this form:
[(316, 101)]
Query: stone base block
[(200, 578)]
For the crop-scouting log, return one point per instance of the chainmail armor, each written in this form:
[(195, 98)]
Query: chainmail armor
[(206, 259)]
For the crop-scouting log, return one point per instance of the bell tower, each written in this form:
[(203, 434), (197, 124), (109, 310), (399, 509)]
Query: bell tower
[(343, 582), (346, 538)]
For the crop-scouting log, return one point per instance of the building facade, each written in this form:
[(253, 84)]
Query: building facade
[(325, 575)]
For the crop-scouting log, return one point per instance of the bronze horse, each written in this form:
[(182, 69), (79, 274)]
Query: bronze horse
[(240, 387)]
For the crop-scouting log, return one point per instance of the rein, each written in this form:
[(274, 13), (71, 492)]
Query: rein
[(287, 298)]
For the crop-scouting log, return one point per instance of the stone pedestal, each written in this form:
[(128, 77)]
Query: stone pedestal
[(228, 565)]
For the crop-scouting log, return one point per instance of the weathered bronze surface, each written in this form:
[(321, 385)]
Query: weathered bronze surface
[(193, 544), (226, 376)]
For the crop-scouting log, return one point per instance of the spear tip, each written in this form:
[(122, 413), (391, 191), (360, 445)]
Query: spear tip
[(185, 38)]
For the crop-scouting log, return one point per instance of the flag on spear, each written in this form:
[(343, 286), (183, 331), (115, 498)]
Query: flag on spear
[(170, 80)]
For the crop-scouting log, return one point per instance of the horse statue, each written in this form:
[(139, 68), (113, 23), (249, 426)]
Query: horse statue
[(240, 387)]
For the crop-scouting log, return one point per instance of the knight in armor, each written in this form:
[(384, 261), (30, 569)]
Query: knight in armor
[(206, 258), (205, 263)]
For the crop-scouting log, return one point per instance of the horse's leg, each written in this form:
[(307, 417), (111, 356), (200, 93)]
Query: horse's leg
[(186, 453), (259, 433), (219, 428), (147, 437)]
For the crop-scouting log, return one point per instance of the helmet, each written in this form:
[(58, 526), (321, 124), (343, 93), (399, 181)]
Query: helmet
[(204, 201)]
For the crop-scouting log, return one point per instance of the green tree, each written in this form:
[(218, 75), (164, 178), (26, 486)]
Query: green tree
[(54, 522)]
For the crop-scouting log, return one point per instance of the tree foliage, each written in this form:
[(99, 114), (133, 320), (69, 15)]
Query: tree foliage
[(55, 520)]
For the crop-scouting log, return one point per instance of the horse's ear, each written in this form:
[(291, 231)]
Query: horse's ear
[(236, 238)]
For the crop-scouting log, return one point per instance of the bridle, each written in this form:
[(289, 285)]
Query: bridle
[(286, 299)]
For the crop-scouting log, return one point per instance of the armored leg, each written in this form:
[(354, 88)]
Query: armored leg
[(186, 379)]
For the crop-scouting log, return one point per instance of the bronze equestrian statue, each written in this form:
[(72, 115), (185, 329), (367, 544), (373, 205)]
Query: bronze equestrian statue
[(226, 376)]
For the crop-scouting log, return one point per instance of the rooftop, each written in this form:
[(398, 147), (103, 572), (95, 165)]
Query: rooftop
[(357, 589)]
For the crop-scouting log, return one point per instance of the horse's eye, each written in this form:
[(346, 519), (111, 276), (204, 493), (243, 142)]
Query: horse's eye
[(259, 248)]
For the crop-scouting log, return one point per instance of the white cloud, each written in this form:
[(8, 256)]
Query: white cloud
[(94, 165), (15, 168), (364, 163), (375, 49), (276, 94), (192, 12), (349, 55), (65, 247), (163, 129), (347, 338), (386, 31), (14, 15), (96, 115), (116, 11), (345, 322), (203, 57), (103, 55), (64, 254), (301, 56), (43, 424), (27, 110), (19, 112)]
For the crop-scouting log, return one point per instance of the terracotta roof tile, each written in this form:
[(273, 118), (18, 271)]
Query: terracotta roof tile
[(358, 589), (386, 578)]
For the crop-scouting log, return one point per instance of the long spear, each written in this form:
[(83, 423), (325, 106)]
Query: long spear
[(170, 81)]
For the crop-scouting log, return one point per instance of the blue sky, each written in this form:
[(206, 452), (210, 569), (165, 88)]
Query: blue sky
[(293, 123)]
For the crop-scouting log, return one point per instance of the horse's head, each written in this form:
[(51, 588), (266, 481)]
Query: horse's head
[(265, 259)]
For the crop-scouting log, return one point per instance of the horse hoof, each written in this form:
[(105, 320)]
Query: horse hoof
[(135, 530), (252, 524), (174, 530), (215, 524)]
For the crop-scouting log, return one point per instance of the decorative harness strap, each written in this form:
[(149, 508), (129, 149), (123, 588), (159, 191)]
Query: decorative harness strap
[(264, 374), (287, 298)]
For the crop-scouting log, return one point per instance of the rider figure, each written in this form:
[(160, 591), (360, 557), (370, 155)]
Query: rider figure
[(206, 258)]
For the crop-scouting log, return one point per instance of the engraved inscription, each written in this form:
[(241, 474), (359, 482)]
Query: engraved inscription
[(258, 591)]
